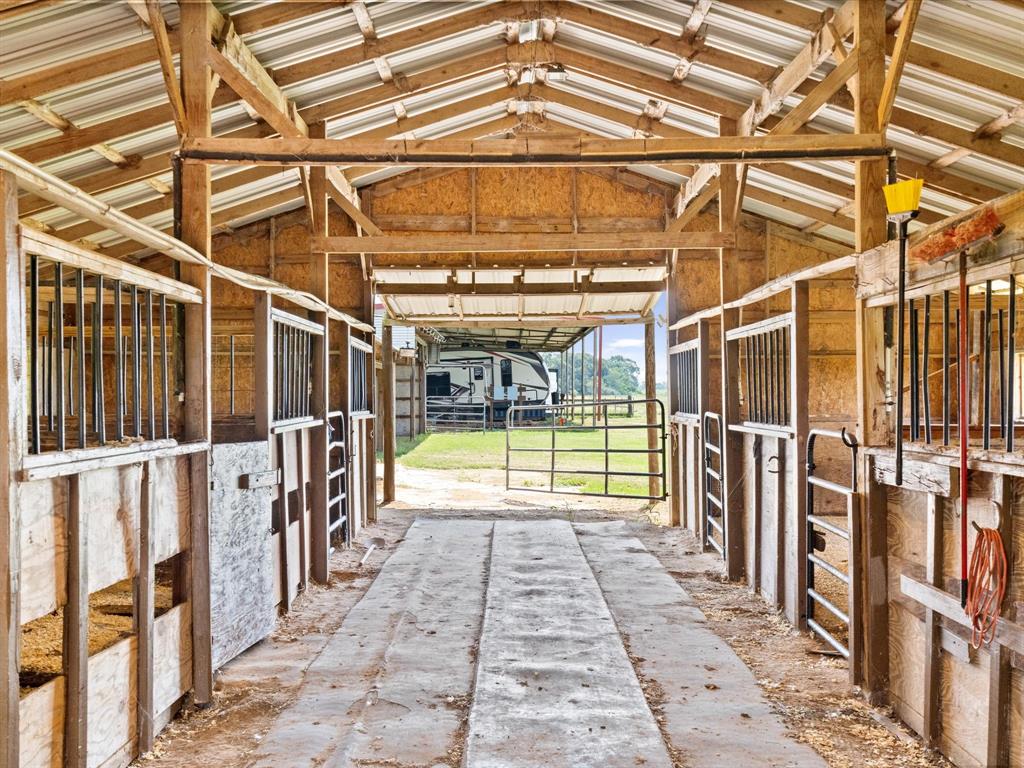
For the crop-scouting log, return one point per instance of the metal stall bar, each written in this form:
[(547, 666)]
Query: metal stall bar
[(817, 527), (1011, 360)]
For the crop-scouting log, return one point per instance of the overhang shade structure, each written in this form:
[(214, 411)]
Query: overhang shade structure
[(95, 110)]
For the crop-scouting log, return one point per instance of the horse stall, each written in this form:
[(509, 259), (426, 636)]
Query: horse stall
[(110, 532), (827, 472), (927, 509), (740, 450), (184, 453)]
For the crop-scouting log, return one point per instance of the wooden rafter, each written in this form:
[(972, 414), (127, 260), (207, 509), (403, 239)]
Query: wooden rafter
[(910, 11), (166, 57), (224, 216), (125, 57), (242, 71), (152, 117), (691, 30), (926, 57)]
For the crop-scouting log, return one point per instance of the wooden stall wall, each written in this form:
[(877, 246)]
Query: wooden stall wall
[(770, 525), (94, 542), (966, 702), (409, 389), (938, 684)]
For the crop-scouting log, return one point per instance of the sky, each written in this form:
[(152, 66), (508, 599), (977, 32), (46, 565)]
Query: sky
[(628, 341)]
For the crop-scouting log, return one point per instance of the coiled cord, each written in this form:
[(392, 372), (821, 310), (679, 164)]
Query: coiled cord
[(986, 585)]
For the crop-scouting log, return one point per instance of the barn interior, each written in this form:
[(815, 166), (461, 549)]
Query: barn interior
[(240, 238)]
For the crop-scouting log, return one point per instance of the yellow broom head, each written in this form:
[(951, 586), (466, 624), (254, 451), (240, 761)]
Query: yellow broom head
[(903, 196)]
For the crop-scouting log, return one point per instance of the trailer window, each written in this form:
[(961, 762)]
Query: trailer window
[(439, 384), (506, 373)]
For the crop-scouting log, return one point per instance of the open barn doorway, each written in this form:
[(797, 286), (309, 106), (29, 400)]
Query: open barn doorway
[(541, 411)]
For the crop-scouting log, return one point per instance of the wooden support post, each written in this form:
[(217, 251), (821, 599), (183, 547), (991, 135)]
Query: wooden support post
[(319, 437), (387, 411), (732, 443), (876, 592), (283, 518), (650, 392), (341, 373), (423, 397), (873, 428), (145, 602), (798, 361), (781, 446), (76, 631), (932, 624), (263, 365), (412, 398), (195, 35), (756, 514), (13, 382), (999, 671)]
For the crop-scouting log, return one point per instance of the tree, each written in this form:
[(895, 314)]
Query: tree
[(620, 375)]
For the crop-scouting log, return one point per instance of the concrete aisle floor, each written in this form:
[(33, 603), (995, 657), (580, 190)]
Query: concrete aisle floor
[(527, 644)]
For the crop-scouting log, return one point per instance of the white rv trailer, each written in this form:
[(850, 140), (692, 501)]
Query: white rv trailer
[(478, 375)]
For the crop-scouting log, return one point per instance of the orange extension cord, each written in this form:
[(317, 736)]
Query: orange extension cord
[(986, 585)]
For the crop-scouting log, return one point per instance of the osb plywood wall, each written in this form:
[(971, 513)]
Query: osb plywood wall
[(277, 247), (518, 193)]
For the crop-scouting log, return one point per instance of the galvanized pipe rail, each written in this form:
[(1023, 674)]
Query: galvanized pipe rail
[(816, 524), (714, 505), (557, 424), (453, 414)]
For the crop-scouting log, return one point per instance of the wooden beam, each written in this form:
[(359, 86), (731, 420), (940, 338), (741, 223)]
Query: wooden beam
[(529, 242), (692, 27), (13, 437), (872, 424), (870, 224), (931, 703), (910, 10), (76, 629), (320, 437), (387, 412), (165, 55), (732, 492), (518, 288), (197, 409), (145, 595), (536, 151)]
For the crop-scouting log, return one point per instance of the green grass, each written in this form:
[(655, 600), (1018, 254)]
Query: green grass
[(486, 450)]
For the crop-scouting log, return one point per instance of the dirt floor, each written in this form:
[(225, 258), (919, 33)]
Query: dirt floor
[(807, 687)]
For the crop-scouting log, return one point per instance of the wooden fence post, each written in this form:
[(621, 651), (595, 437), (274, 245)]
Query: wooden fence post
[(319, 437), (798, 367), (12, 437), (387, 424)]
